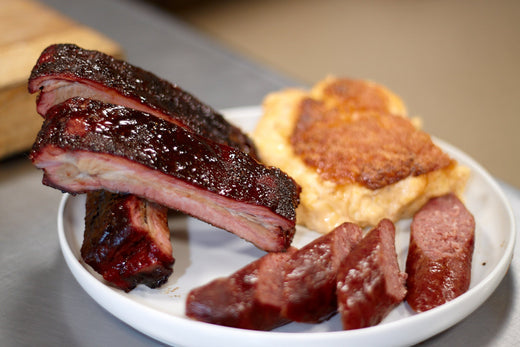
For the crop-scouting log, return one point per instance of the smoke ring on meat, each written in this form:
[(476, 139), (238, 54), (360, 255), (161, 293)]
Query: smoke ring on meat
[(88, 145)]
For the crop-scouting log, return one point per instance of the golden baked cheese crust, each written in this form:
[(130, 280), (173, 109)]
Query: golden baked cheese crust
[(354, 152)]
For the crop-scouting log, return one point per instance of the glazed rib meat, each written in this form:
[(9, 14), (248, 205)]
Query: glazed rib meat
[(127, 240), (66, 70), (369, 282), (88, 145)]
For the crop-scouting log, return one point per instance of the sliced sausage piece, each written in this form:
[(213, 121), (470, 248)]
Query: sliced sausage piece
[(249, 299), (298, 285), (441, 249), (310, 283), (369, 282)]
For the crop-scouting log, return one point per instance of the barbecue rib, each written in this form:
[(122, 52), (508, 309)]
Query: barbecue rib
[(87, 145), (66, 70), (127, 240)]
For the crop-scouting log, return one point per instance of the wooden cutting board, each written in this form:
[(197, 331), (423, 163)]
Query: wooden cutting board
[(26, 28)]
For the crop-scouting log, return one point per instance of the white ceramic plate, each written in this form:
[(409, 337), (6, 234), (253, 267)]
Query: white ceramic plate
[(203, 253)]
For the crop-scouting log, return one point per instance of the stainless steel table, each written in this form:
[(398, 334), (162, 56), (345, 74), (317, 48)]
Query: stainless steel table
[(41, 304)]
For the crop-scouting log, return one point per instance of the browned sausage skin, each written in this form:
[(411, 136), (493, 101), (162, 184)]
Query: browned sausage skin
[(440, 253)]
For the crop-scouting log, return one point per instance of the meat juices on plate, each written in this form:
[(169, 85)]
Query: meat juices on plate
[(440, 253), (369, 282)]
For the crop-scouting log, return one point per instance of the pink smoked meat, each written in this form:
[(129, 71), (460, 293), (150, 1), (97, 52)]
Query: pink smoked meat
[(310, 282), (88, 145), (66, 70), (440, 253), (127, 240), (250, 298), (369, 282)]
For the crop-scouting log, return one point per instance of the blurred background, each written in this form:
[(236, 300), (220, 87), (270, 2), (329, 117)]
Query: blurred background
[(456, 64)]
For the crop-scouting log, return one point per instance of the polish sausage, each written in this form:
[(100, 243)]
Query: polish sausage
[(440, 253)]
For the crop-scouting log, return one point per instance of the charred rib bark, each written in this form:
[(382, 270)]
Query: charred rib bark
[(127, 240), (87, 145), (66, 70)]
